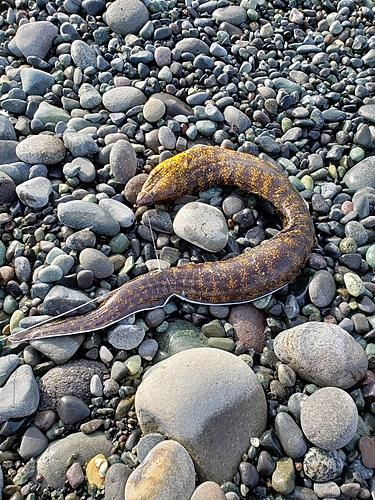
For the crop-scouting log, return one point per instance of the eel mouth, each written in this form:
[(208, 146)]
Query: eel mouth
[(145, 198)]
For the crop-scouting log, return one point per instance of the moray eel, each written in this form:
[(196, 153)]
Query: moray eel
[(246, 277)]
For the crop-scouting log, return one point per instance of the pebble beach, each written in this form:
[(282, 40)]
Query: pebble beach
[(273, 399)]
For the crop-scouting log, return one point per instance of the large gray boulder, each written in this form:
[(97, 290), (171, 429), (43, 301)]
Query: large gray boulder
[(208, 400)]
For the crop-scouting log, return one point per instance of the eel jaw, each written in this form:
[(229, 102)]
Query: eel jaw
[(145, 198)]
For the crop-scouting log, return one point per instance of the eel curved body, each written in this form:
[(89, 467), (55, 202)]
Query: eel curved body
[(243, 278)]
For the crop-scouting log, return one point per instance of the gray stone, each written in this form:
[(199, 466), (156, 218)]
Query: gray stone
[(115, 480), (7, 131), (7, 366), (89, 97), (173, 104), (236, 119), (194, 46), (80, 214), (209, 491), (322, 353), (80, 144), (61, 299), (290, 436), (35, 82), (202, 225), (35, 39), (123, 161), (121, 99), (52, 463), (58, 349), (72, 378), (97, 262), (368, 112), (329, 418), (327, 490), (167, 472), (126, 16), (146, 443), (20, 396), (322, 288), (35, 192), (8, 152), (33, 443), (232, 14), (46, 149), (82, 54), (47, 113), (209, 424), (362, 174), (7, 189), (72, 409), (323, 465), (125, 336), (119, 211)]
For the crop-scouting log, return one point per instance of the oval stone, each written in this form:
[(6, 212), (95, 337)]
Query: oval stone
[(46, 149), (322, 353)]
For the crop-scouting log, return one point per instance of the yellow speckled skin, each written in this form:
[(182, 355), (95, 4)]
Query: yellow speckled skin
[(246, 277)]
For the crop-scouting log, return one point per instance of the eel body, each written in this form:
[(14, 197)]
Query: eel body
[(243, 278)]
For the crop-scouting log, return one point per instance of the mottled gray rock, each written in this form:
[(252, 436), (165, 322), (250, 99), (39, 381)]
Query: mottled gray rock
[(86, 215), (7, 189), (82, 54), (123, 161), (119, 211), (7, 131), (20, 396), (52, 463), (329, 418), (35, 192), (126, 16), (35, 82), (8, 152), (202, 225), (236, 119), (97, 262), (115, 480), (125, 336), (58, 349), (146, 443), (208, 491), (166, 472), (61, 299), (323, 465), (362, 174), (33, 443), (35, 39), (209, 425), (46, 149), (72, 378), (121, 99), (290, 435), (7, 366), (322, 353), (322, 288)]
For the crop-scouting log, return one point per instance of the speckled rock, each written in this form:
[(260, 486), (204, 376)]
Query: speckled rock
[(121, 99), (35, 39), (19, 396), (322, 353), (126, 16), (115, 480), (166, 472), (46, 149), (249, 324), (209, 425), (34, 192), (322, 288), (202, 225), (208, 491), (123, 161), (52, 463), (323, 465), (329, 418), (362, 174)]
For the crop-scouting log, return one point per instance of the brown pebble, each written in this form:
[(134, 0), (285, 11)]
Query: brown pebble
[(346, 207), (134, 186), (75, 475), (367, 448), (6, 274), (44, 420), (91, 426), (248, 323), (118, 261), (330, 319), (208, 491), (85, 278), (298, 466)]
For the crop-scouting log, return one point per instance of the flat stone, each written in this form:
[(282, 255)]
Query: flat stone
[(115, 480), (367, 448), (362, 174), (35, 192), (127, 16), (329, 418), (322, 288), (322, 353), (52, 464), (33, 443), (166, 472), (97, 262), (72, 409), (121, 99), (61, 299), (35, 82), (58, 349), (35, 39), (19, 396), (47, 113), (123, 161), (46, 149), (80, 214), (209, 425), (202, 225)]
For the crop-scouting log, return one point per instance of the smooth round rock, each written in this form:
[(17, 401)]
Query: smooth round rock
[(19, 396), (126, 16), (290, 436), (80, 214), (35, 192), (208, 491), (329, 418), (121, 99), (323, 465), (362, 174), (97, 262), (33, 443), (322, 353), (134, 186), (202, 225), (35, 39), (354, 284), (123, 161), (72, 409), (209, 424), (322, 288), (46, 149), (236, 119), (82, 55), (125, 336), (154, 109), (166, 472), (119, 211)]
